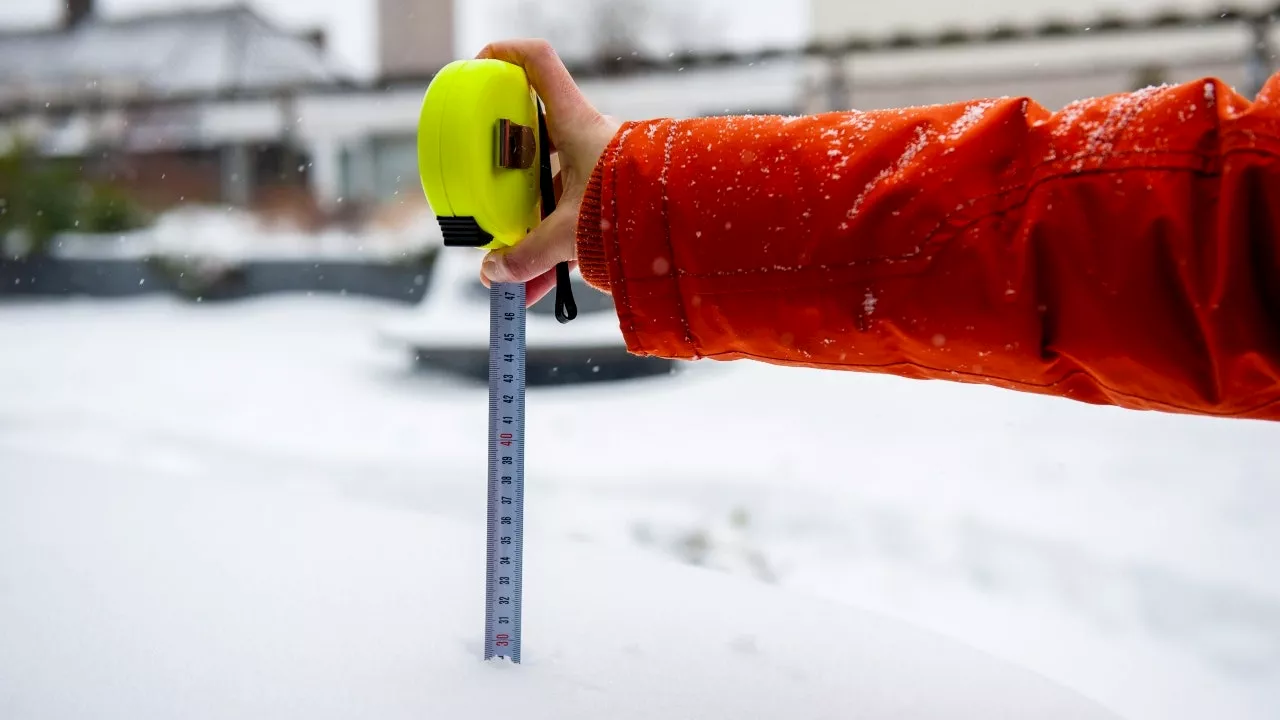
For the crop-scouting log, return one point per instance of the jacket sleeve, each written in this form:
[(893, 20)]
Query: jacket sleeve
[(1124, 250)]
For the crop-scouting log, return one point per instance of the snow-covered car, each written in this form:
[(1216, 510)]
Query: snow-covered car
[(449, 330)]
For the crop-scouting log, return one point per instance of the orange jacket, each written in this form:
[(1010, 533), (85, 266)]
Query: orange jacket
[(1124, 250)]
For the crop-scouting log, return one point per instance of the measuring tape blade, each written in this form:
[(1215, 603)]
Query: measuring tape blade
[(506, 471)]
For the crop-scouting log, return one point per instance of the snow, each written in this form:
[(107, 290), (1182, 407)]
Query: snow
[(185, 594), (230, 235), (921, 139), (457, 316), (255, 510), (971, 117)]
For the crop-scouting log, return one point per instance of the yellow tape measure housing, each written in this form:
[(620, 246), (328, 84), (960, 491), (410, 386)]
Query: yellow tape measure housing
[(479, 173)]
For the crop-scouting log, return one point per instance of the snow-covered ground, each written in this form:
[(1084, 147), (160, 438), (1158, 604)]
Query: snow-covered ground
[(255, 509)]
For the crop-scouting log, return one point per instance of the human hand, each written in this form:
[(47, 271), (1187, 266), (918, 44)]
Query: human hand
[(579, 135)]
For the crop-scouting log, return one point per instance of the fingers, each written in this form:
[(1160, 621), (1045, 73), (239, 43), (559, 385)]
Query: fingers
[(550, 243), (538, 287), (548, 75)]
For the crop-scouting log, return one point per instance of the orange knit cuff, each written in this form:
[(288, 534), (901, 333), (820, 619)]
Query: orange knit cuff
[(593, 260)]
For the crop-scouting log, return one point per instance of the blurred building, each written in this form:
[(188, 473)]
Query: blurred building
[(415, 37), (222, 105), (1055, 51), (157, 103)]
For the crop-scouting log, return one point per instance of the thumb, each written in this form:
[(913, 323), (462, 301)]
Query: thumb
[(549, 243)]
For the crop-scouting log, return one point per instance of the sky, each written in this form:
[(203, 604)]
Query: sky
[(351, 27)]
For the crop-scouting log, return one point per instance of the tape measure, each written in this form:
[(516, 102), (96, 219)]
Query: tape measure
[(485, 163)]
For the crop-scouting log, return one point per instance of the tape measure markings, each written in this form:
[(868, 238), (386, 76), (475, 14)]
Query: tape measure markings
[(505, 553)]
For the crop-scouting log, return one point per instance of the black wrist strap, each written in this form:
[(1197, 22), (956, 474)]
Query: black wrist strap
[(566, 308)]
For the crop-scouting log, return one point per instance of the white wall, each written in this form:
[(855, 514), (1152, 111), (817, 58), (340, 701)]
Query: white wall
[(369, 127), (839, 18), (775, 87), (1052, 72)]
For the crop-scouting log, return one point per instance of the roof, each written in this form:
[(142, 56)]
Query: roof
[(193, 52)]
